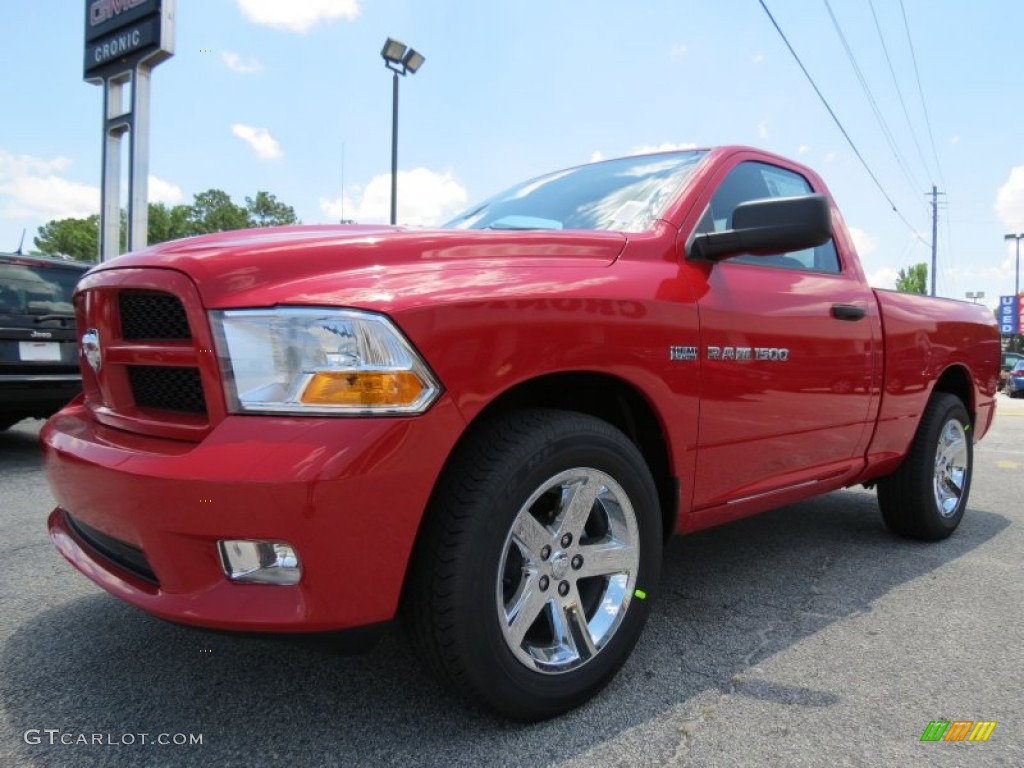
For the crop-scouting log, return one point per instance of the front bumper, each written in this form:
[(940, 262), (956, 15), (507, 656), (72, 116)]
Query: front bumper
[(348, 494)]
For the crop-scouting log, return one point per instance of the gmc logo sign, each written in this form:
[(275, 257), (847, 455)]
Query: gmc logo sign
[(106, 17), (120, 34), (103, 10)]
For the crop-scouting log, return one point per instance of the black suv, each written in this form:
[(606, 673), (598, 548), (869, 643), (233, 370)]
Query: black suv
[(38, 346)]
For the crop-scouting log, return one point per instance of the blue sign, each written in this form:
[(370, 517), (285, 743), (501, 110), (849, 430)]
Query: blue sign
[(1008, 320)]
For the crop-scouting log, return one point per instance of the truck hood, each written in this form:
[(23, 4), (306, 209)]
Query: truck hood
[(361, 265)]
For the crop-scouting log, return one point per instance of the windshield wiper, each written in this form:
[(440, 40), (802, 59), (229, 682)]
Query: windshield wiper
[(45, 318)]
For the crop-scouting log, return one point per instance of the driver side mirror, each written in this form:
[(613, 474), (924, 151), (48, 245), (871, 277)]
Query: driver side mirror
[(764, 227)]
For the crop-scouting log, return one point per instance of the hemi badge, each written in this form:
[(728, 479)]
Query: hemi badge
[(682, 353)]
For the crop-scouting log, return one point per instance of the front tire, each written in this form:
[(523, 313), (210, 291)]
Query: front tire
[(926, 497), (526, 588)]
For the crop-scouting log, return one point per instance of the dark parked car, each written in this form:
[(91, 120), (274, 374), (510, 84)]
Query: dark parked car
[(1015, 380), (38, 346)]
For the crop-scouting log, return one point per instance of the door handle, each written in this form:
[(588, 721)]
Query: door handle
[(848, 312)]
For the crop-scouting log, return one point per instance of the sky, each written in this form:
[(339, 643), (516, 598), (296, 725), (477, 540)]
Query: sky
[(292, 97)]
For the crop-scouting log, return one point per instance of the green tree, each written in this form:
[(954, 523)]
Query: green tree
[(913, 280), (266, 211), (168, 223), (77, 238), (213, 211)]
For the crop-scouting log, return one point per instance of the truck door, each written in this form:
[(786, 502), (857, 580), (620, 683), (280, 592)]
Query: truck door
[(789, 347)]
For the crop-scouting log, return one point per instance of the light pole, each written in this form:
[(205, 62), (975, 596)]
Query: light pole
[(400, 60), (975, 295), (1016, 281)]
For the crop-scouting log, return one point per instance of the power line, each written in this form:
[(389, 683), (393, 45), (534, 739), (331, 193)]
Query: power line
[(879, 117), (920, 92), (899, 91), (839, 125)]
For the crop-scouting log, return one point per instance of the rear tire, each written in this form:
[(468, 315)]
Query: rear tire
[(525, 590), (926, 497)]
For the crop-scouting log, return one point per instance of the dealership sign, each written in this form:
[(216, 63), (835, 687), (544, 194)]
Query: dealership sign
[(124, 41), (121, 34), (1009, 314)]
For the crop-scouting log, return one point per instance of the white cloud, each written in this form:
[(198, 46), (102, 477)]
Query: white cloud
[(297, 15), (762, 129), (803, 149), (20, 165), (259, 139), (757, 58), (954, 140), (677, 51), (31, 188), (425, 198), (830, 156), (161, 191), (235, 63), (596, 156), (863, 242), (1010, 200), (883, 278), (1004, 272)]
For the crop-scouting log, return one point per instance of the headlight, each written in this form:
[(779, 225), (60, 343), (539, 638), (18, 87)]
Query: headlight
[(319, 361)]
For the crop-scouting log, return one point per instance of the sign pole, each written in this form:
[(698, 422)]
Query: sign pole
[(138, 178), (115, 124), (123, 42)]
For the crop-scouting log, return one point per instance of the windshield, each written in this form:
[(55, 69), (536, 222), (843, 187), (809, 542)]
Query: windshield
[(37, 290), (628, 194)]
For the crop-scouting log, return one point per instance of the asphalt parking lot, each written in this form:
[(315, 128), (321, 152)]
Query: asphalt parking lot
[(807, 636)]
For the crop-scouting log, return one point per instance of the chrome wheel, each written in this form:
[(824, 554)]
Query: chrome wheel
[(951, 466), (543, 528), (568, 570)]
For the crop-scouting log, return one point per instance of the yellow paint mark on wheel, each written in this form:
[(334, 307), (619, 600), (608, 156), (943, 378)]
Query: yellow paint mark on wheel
[(1007, 464)]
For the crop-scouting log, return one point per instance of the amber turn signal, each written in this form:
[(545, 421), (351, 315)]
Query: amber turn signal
[(363, 388)]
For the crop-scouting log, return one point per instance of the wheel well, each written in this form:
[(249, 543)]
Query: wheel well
[(956, 381), (609, 399)]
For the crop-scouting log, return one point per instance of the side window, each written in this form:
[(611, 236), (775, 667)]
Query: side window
[(757, 181)]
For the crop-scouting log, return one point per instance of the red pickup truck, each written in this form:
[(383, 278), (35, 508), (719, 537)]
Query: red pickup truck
[(492, 427)]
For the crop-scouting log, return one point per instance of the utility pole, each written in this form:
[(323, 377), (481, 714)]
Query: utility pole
[(935, 231)]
